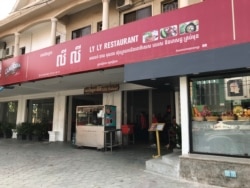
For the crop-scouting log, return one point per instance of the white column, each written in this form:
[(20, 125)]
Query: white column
[(183, 3), (16, 47), (184, 115), (53, 31), (21, 110), (57, 133), (118, 104), (105, 14), (21, 114)]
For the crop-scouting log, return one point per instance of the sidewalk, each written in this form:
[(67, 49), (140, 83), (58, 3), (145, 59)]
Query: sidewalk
[(28, 164)]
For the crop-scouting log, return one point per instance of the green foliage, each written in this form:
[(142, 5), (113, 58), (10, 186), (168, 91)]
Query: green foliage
[(20, 129), (6, 129), (25, 129), (38, 130)]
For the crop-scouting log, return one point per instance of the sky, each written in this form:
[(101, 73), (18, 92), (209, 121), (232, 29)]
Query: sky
[(6, 7)]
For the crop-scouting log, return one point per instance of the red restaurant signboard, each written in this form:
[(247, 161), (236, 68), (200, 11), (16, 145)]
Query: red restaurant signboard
[(207, 25)]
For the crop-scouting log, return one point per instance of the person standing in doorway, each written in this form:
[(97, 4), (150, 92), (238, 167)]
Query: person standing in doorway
[(174, 135), (143, 127), (167, 121)]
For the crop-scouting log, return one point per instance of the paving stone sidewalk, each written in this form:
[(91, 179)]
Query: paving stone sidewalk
[(28, 164)]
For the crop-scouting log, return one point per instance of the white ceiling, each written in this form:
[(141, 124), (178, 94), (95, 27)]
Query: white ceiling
[(70, 82)]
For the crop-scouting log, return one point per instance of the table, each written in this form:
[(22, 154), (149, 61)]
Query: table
[(108, 139)]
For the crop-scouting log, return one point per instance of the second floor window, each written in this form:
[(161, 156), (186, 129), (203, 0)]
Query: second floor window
[(58, 39), (137, 15), (22, 50), (169, 5), (99, 26), (81, 32)]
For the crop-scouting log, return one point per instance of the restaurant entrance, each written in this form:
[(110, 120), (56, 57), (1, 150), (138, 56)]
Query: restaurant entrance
[(141, 105)]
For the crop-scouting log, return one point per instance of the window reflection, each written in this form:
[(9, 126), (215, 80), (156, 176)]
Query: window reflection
[(41, 111)]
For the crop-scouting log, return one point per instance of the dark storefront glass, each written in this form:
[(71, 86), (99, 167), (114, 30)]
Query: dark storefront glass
[(8, 112), (8, 117), (41, 111), (221, 115)]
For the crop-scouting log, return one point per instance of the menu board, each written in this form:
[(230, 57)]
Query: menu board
[(156, 127)]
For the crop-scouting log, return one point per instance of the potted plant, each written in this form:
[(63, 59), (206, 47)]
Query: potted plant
[(38, 132), (6, 129), (1, 131), (28, 130), (45, 128), (24, 131), (20, 132)]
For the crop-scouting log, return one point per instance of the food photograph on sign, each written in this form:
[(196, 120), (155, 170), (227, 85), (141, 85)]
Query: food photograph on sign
[(150, 36), (170, 31), (189, 27)]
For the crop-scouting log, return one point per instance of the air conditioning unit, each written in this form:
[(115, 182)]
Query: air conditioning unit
[(3, 45), (9, 51), (123, 4)]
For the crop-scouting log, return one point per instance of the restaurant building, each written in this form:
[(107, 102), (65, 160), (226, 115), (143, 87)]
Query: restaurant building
[(186, 58)]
